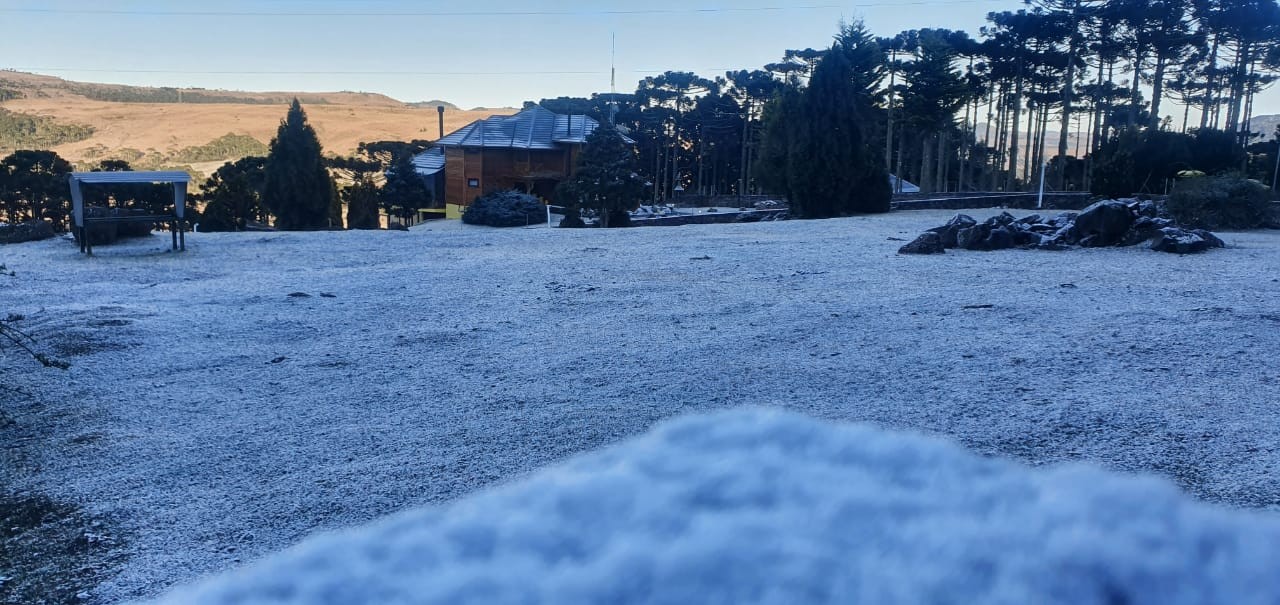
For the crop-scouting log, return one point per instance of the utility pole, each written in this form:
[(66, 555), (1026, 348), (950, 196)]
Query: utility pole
[(613, 80), (746, 128), (888, 139)]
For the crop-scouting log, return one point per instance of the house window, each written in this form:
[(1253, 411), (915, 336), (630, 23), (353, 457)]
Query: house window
[(473, 183)]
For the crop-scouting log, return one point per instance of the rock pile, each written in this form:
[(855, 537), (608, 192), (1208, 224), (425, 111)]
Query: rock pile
[(1106, 223)]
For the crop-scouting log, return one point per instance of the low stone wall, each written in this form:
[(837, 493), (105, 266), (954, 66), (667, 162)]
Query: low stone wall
[(958, 201), (720, 201), (708, 218)]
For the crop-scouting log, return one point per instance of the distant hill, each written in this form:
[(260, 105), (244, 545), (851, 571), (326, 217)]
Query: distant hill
[(192, 128), (434, 104), (1266, 125)]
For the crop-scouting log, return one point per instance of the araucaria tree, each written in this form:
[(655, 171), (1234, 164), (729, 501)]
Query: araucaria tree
[(815, 148), (298, 191), (606, 179)]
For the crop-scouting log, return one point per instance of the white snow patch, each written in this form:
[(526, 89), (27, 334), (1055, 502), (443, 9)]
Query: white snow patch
[(453, 358), (768, 507)]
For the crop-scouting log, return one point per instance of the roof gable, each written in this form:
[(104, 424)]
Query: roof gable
[(534, 128)]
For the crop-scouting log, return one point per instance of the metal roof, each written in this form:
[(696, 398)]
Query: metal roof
[(429, 162), (131, 176), (533, 128)]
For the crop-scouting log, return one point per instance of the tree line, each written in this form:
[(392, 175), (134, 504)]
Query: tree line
[(945, 109), (953, 111)]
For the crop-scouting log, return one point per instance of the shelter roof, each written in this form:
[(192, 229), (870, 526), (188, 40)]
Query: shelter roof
[(131, 176)]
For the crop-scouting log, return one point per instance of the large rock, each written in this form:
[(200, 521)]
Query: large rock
[(973, 238), (1143, 230), (948, 233), (1001, 238), (1180, 241), (928, 243), (1146, 208), (1103, 223)]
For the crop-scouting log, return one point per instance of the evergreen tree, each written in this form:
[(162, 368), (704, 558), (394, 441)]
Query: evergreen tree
[(362, 204), (298, 189), (36, 188), (606, 179), (830, 171), (405, 191), (233, 195), (773, 164)]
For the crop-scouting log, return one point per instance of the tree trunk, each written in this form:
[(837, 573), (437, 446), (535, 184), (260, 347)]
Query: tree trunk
[(943, 164), (926, 179), (888, 138), (1211, 85), (1157, 90), (1134, 94), (1032, 113), (1068, 94), (1002, 134), (1013, 144), (1243, 59), (898, 173)]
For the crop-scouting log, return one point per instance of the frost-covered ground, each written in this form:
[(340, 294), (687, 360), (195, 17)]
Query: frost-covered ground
[(214, 419), (772, 508)]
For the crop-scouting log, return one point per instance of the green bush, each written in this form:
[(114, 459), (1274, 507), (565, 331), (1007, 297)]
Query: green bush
[(505, 209), (23, 131), (226, 147), (1221, 202)]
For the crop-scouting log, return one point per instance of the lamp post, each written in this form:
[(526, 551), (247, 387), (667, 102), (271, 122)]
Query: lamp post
[(1040, 199)]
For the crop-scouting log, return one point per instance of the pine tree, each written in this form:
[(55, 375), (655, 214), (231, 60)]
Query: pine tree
[(831, 171), (773, 164), (298, 189), (606, 179)]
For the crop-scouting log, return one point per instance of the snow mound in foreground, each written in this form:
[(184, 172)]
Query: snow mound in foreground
[(768, 507)]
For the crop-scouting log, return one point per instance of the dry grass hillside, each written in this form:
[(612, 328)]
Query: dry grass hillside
[(188, 128)]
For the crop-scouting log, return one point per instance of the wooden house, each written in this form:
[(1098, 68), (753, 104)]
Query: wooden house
[(531, 151)]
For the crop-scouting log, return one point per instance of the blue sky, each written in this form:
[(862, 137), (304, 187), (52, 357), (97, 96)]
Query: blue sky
[(466, 52)]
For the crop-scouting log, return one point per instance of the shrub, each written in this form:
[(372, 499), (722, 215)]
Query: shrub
[(572, 218), (1221, 202), (505, 209)]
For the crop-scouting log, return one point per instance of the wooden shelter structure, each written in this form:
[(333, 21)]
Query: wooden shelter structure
[(83, 217)]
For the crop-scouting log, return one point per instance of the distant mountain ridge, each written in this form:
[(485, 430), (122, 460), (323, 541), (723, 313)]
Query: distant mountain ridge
[(196, 129), (17, 84)]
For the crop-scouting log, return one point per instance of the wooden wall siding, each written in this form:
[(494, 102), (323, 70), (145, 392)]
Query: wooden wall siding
[(455, 180), (502, 169)]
